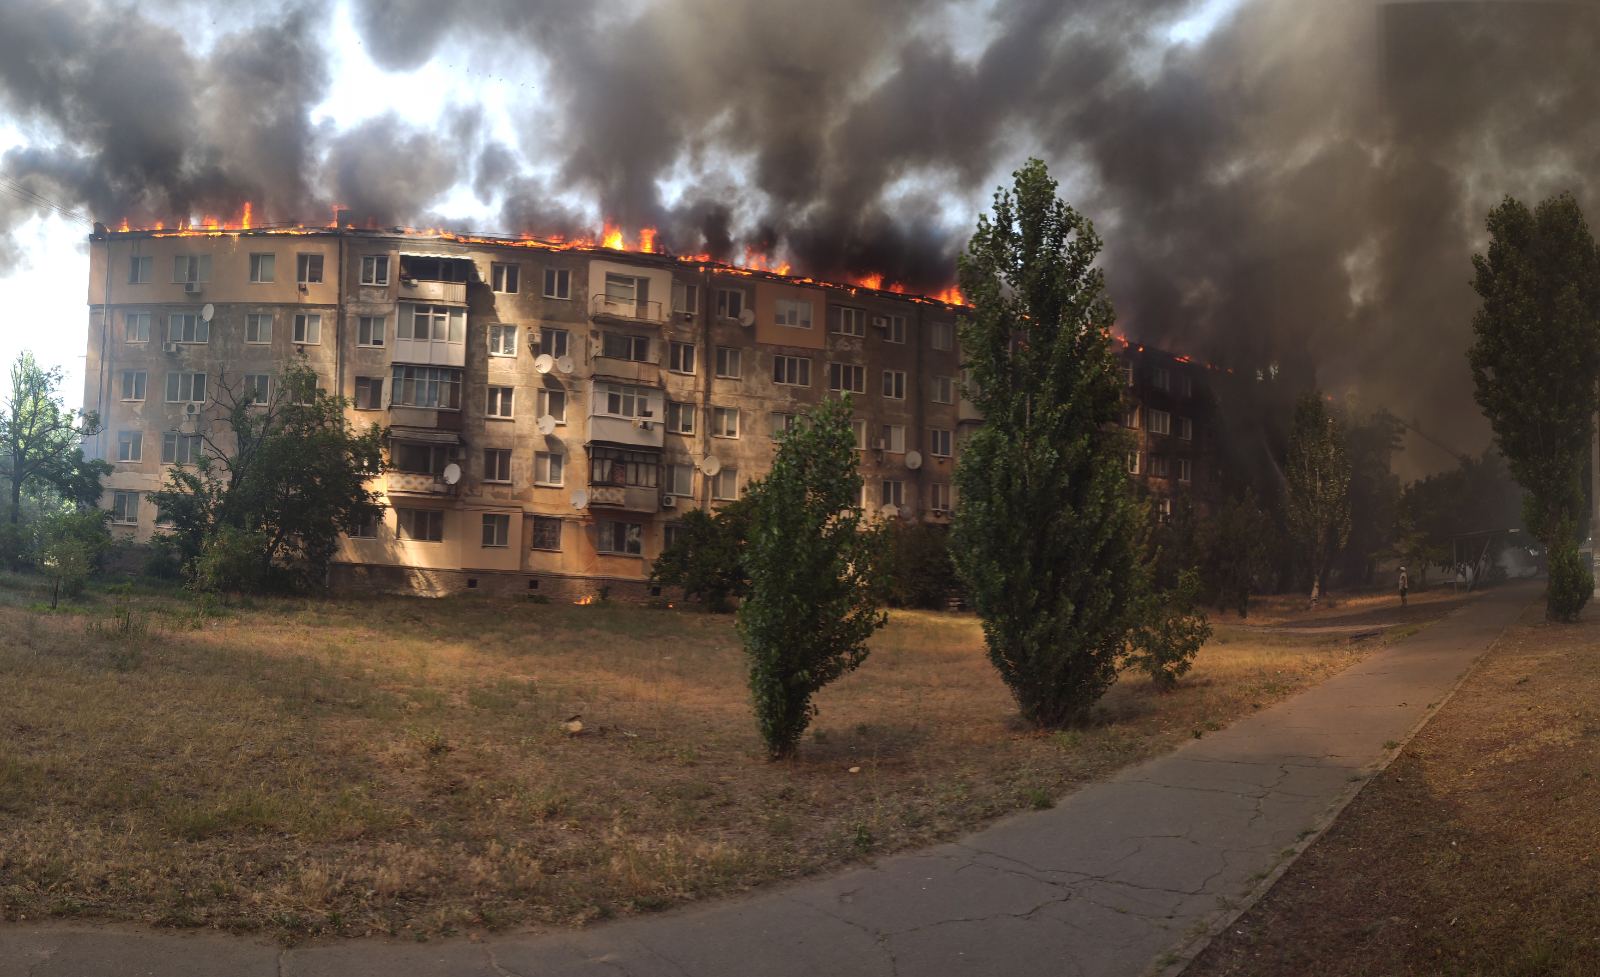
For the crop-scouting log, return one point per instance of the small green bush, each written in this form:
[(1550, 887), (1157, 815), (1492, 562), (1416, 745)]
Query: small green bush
[(1571, 583)]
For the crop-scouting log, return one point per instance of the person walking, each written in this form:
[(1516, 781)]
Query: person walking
[(1405, 585)]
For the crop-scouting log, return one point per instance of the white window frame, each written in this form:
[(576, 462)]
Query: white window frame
[(375, 270), (677, 412), (680, 357), (940, 442), (263, 267), (792, 313), (373, 385), (554, 342), (677, 473), (725, 485), (730, 303), (188, 329), (685, 297), (1185, 429), (186, 384), (894, 384), (839, 373), (939, 497), (432, 519), (130, 446), (125, 508), (258, 328), (543, 399), (1158, 421), (721, 414), (942, 335), (496, 531), (178, 448), (893, 437), (497, 466), (549, 469), (637, 347), (307, 329), (858, 428), (944, 390), (543, 521), (136, 327), (852, 322), (1185, 470), (191, 268), (502, 339), (729, 363), (503, 274), (791, 371), (258, 387), (558, 283), (632, 537), (1130, 417), (894, 329), (892, 491), (500, 402), (141, 268), (309, 268), (1134, 463), (138, 380), (372, 331)]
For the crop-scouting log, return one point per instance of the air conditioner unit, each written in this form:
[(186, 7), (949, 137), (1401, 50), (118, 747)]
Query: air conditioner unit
[(171, 348), (880, 322), (669, 502), (191, 408), (880, 444), (191, 288), (642, 423)]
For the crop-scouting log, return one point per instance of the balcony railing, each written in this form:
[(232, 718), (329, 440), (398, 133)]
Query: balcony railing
[(416, 483), (604, 306)]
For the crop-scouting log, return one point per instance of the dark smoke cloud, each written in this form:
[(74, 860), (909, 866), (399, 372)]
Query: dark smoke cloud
[(1305, 186)]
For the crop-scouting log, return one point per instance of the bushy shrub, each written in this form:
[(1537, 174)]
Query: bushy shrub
[(1571, 582), (1170, 630), (704, 560), (230, 561), (920, 572)]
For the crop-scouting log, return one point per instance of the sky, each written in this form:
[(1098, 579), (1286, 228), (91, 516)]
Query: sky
[(1294, 182)]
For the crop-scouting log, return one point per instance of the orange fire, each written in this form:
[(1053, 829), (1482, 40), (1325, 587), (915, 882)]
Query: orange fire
[(244, 218), (585, 600), (951, 296), (613, 237), (761, 261), (869, 281), (647, 240)]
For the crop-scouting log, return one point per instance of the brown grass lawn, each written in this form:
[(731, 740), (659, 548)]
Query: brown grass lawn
[(1476, 853), (388, 765)]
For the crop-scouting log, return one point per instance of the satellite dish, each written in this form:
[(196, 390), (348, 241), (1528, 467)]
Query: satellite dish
[(747, 318), (564, 364), (544, 363), (207, 311), (889, 511), (710, 464), (452, 473), (913, 460), (547, 425), (580, 499)]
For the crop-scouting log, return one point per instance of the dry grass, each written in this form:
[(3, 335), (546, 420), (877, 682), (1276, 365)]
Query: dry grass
[(386, 765), (1476, 853)]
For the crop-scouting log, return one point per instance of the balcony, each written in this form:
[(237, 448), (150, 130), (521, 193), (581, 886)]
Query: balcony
[(422, 290), (628, 498), (603, 306), (415, 483)]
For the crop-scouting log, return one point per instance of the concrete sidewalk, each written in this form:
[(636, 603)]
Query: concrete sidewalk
[(1109, 882)]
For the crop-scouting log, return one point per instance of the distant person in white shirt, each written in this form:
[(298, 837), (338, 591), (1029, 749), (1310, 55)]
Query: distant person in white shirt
[(1405, 585)]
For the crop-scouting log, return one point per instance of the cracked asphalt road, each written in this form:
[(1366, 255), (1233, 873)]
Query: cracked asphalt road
[(1103, 885)]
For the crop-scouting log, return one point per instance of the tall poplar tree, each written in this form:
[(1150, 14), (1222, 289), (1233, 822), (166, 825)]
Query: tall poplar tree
[(1535, 362), (1318, 475), (1046, 531)]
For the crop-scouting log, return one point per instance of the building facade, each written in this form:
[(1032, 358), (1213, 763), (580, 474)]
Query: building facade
[(552, 411)]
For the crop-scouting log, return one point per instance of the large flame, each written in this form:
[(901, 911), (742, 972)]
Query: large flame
[(613, 237)]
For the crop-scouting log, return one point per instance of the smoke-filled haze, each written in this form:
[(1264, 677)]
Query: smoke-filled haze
[(1302, 181)]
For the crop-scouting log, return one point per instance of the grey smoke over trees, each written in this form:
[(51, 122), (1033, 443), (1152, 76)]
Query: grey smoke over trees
[(1301, 186)]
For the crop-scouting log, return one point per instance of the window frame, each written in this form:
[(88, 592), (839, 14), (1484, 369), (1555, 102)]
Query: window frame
[(724, 303), (547, 338), (674, 469), (540, 526), (374, 388), (894, 385), (942, 335), (500, 402), (127, 440), (372, 331), (892, 491), (856, 316), (141, 269), (547, 462), (178, 448), (940, 437), (253, 322), (894, 329), (718, 414), (791, 371), (497, 340), (792, 313), (497, 466), (305, 325), (1158, 421), (196, 329), (139, 380), (721, 494), (144, 319), (726, 356), (260, 393), (612, 341), (503, 273), (541, 403), (891, 435), (631, 533), (434, 519), (558, 284), (496, 531), (186, 378), (305, 264), (1185, 428), (676, 411), (839, 369), (445, 380), (375, 270), (257, 264), (679, 352), (120, 515)]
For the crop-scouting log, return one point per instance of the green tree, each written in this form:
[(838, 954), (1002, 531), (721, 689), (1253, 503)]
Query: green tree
[(705, 558), (278, 480), (1370, 443), (1046, 534), (1169, 628), (814, 598), (1236, 555), (1318, 477), (1534, 359), (40, 438), (919, 572), (71, 545)]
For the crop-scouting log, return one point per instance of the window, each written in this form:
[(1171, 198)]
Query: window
[(944, 390), (136, 327), (942, 335), (369, 393), (858, 427), (434, 269), (892, 492), (366, 526), (1185, 385), (125, 508), (938, 442), (622, 346), (496, 529), (179, 449), (1130, 417), (685, 297), (730, 303), (792, 370), (257, 388), (724, 422), (893, 438), (725, 485), (680, 357), (894, 384), (794, 313), (553, 403), (1185, 470), (629, 292), (615, 536), (370, 330), (730, 365), (308, 269), (670, 533), (186, 388), (1127, 376), (1158, 466), (502, 340), (1160, 421), (432, 323), (419, 458), (503, 278), (187, 268), (894, 328), (782, 423), (500, 401), (133, 384), (557, 284), (422, 525), (615, 466), (1161, 378), (1133, 463), (374, 269), (308, 328), (939, 496), (187, 327), (1185, 429), (140, 268), (847, 378), (680, 480), (680, 418), (258, 328), (130, 446), (549, 468), (305, 390), (263, 268), (850, 322), (624, 400), (497, 464), (553, 342), (425, 386), (546, 533)]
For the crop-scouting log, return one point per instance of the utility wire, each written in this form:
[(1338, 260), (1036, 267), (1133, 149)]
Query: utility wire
[(39, 200)]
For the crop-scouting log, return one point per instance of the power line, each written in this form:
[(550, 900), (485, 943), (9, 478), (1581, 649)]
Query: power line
[(39, 200)]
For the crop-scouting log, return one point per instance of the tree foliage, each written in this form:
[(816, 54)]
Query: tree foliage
[(814, 598), (1045, 537), (1370, 443), (275, 486), (919, 573), (705, 559), (1318, 480), (40, 439), (1477, 496), (1534, 359)]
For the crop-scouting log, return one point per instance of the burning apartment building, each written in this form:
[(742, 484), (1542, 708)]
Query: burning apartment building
[(552, 409)]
